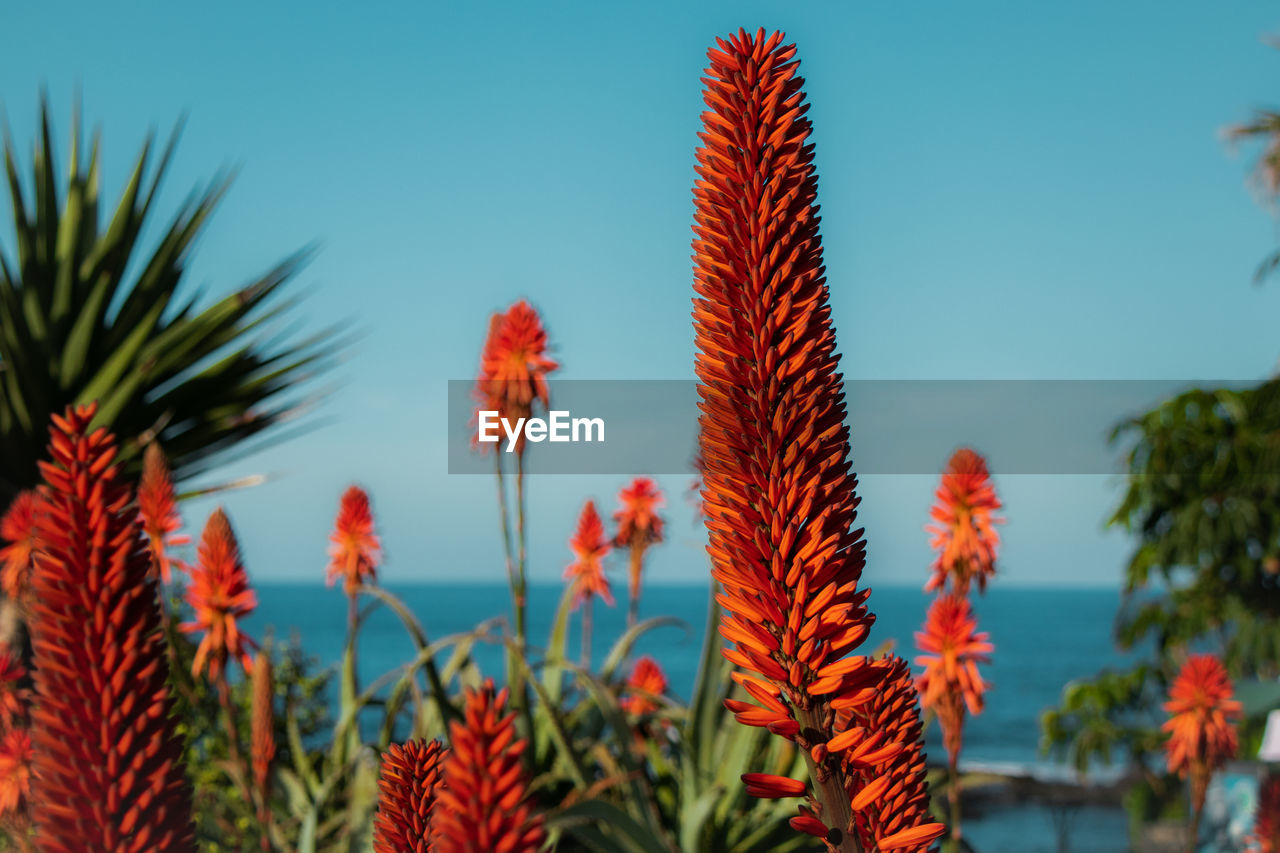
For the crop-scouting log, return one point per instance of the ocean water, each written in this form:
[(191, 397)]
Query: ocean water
[(1043, 638)]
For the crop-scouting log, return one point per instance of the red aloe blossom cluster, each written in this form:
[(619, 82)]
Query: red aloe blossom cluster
[(15, 778), (639, 526), (646, 681), (898, 816), (18, 528), (950, 684), (780, 499), (158, 507), (589, 547), (219, 595), (514, 365), (354, 549), (586, 573), (106, 772), (407, 790), (1201, 726), (1265, 837), (484, 807), (966, 541), (13, 697), (964, 533)]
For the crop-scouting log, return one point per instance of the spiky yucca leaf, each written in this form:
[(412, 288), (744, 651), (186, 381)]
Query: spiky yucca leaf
[(88, 313)]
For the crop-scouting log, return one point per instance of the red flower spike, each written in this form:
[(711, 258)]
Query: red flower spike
[(964, 534), (953, 648), (779, 496), (1201, 725), (15, 772), (589, 547), (646, 676), (219, 594), (158, 506), (898, 819), (18, 527), (354, 549), (262, 734), (407, 791), (514, 365), (484, 806), (639, 524), (106, 772)]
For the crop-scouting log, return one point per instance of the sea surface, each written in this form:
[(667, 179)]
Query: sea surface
[(1044, 638)]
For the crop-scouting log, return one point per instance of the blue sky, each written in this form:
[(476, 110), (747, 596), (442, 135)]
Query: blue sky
[(1009, 190)]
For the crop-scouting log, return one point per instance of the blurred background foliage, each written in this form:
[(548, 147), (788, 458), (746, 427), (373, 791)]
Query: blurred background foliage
[(88, 312)]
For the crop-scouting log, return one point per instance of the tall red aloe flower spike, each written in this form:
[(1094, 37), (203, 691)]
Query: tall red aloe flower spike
[(354, 549), (219, 595), (639, 526), (158, 506), (514, 365), (407, 789), (589, 547), (646, 679), (1265, 837), (964, 534), (484, 807), (780, 498), (898, 818), (18, 527), (106, 773), (262, 737), (1201, 726), (950, 684), (513, 375), (586, 572)]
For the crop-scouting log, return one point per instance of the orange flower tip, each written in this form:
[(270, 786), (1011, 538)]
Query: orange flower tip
[(915, 836), (769, 786), (870, 792), (784, 728), (809, 825)]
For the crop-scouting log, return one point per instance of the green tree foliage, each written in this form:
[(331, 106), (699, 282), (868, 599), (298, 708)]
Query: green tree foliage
[(89, 313), (1203, 502)]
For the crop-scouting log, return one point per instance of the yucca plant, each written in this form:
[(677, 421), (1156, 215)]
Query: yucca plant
[(87, 313)]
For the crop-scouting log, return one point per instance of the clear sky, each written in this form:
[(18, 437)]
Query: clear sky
[(1009, 190)]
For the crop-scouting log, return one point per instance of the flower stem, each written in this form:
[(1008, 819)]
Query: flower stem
[(521, 604), (836, 808), (633, 604), (1199, 786), (586, 635), (233, 735), (506, 525), (953, 798)]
